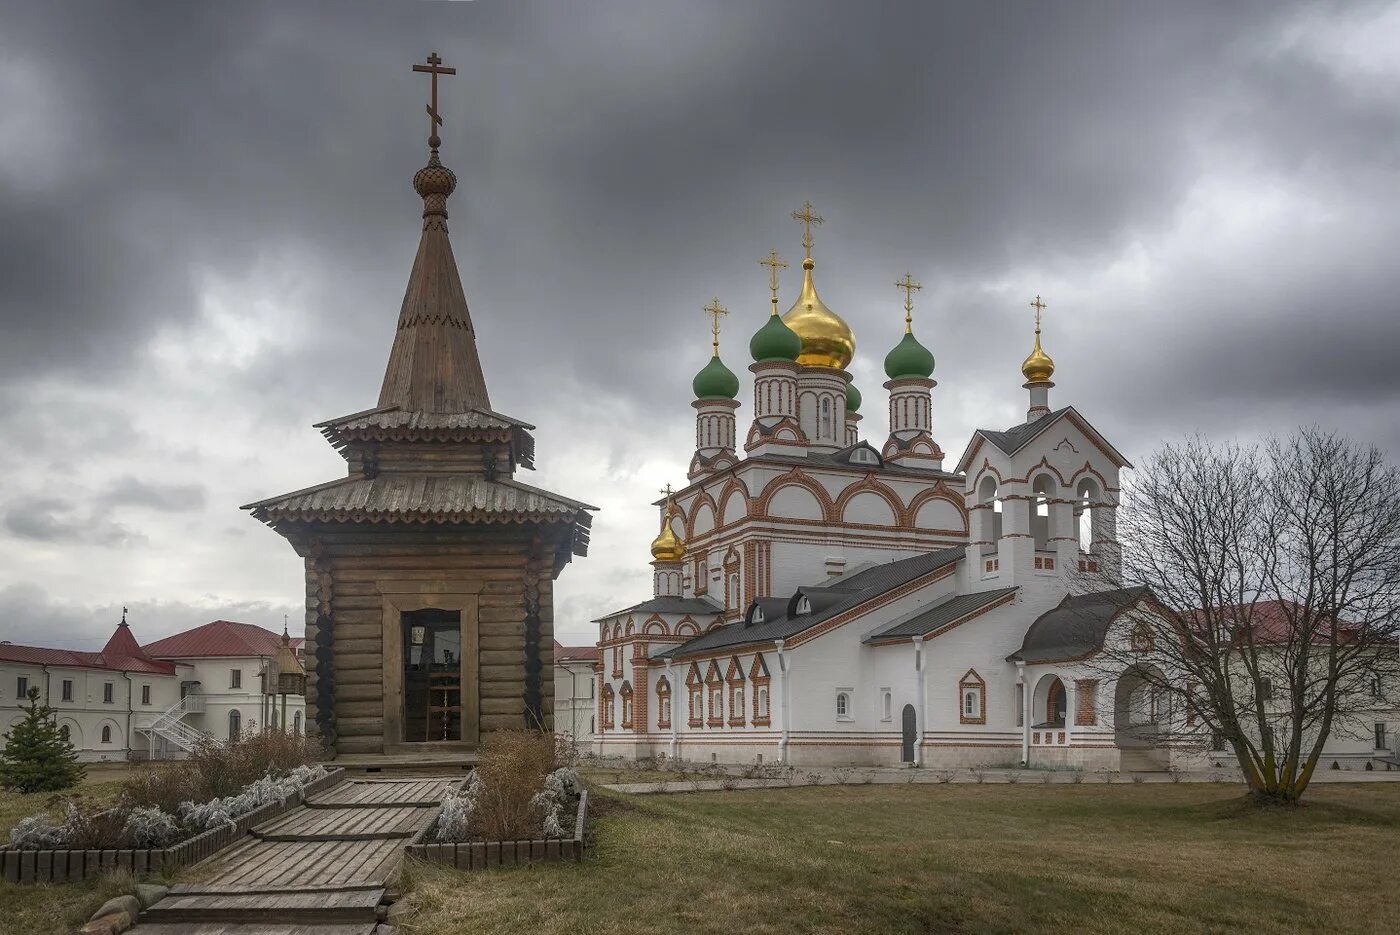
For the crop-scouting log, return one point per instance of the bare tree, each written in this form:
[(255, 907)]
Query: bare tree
[(1274, 608)]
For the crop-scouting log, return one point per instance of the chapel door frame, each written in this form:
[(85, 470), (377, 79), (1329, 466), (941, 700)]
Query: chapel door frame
[(401, 597)]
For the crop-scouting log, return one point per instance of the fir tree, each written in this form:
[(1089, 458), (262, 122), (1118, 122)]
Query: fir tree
[(37, 757)]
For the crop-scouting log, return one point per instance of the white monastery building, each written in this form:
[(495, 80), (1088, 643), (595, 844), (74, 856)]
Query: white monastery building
[(575, 693), (159, 700), (824, 599)]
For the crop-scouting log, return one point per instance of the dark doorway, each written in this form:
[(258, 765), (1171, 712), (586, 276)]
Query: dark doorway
[(432, 676), (911, 728)]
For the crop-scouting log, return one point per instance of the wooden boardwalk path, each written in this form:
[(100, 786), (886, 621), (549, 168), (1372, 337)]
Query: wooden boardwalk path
[(320, 869)]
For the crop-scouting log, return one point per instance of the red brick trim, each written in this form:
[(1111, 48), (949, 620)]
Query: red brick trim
[(971, 681)]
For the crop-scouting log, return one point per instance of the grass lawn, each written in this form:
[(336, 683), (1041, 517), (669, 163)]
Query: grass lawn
[(58, 909), (948, 858)]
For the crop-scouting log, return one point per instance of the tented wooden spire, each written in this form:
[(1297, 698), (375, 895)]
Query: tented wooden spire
[(433, 365)]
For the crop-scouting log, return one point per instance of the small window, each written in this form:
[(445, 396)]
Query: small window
[(67, 689), (235, 678), (109, 690), (145, 694), (106, 733), (1380, 736), (235, 724), (763, 702), (21, 687), (804, 606), (63, 732), (843, 705), (296, 723), (1266, 689), (886, 705), (970, 703)]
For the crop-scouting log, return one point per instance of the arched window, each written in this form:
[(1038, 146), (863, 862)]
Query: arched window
[(972, 699), (63, 732), (761, 704), (1043, 490), (296, 723), (733, 590), (1086, 500), (663, 703), (843, 706), (736, 710), (886, 705), (235, 724), (106, 733), (826, 431), (626, 695)]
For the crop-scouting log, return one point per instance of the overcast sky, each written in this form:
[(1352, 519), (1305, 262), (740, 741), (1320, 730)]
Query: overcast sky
[(206, 226)]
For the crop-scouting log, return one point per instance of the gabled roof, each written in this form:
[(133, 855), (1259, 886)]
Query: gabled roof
[(935, 616), (781, 620), (1017, 437), (701, 606), (121, 654), (219, 638), (564, 653), (1076, 627)]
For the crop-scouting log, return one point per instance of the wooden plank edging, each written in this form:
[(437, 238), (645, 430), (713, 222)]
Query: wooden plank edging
[(67, 865), (478, 855)]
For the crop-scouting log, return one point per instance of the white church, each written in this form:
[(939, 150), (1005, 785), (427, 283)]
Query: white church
[(822, 599)]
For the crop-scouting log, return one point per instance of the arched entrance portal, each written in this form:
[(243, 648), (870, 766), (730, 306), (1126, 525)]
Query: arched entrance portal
[(911, 728), (1139, 720)]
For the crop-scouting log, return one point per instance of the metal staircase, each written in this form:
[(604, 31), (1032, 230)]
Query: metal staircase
[(170, 724)]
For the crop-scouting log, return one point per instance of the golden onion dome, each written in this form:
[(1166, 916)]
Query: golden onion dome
[(827, 341), (667, 547), (1038, 367)]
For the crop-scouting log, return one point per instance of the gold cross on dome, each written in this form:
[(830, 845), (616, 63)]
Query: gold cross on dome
[(714, 309), (434, 68), (1039, 307), (666, 492), (910, 287), (774, 264), (807, 219)]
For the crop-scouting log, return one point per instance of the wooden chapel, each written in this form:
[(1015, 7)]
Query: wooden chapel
[(429, 567)]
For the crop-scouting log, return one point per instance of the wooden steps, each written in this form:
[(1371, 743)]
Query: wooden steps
[(320, 869), (321, 905)]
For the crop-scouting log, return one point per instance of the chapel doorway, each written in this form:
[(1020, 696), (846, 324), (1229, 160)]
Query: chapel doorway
[(432, 676), (910, 730)]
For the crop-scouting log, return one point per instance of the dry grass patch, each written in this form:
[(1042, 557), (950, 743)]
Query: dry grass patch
[(948, 858)]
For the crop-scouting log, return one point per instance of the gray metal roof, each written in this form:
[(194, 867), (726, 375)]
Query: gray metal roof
[(940, 613), (1077, 627), (781, 621), (395, 497), (668, 605), (1017, 437)]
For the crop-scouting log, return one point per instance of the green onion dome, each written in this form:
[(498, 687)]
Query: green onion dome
[(775, 341), (852, 398), (715, 381), (909, 359)]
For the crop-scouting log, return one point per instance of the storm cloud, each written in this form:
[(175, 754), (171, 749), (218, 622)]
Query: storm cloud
[(206, 224)]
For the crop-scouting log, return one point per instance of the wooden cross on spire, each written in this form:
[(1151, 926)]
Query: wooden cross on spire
[(910, 287), (1039, 307), (714, 310), (774, 264), (806, 218), (434, 68)]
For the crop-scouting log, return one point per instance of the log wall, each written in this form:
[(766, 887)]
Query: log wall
[(359, 561)]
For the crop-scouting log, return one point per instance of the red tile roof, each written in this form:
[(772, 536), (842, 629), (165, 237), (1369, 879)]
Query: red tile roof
[(219, 638), (564, 653), (121, 654)]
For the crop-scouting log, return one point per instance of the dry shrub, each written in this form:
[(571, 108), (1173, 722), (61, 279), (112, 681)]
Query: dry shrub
[(512, 769), (214, 770)]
